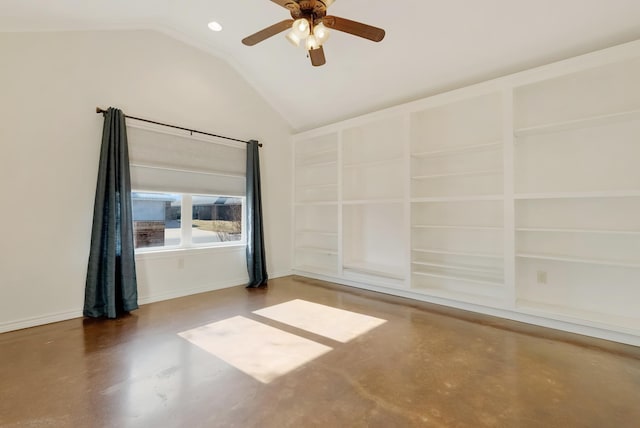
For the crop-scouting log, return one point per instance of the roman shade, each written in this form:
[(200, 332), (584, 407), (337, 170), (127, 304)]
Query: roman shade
[(174, 161)]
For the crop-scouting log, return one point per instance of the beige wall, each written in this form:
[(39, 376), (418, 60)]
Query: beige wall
[(50, 84)]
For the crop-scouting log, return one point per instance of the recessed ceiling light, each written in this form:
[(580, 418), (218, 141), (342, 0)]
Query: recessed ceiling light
[(215, 26)]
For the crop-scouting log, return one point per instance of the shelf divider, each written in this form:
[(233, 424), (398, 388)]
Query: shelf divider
[(318, 250), (460, 278), (372, 163), (459, 267), (577, 260), (578, 123), (577, 195), (561, 230), (372, 201), (316, 232), (357, 268), (457, 174), (315, 203), (470, 147), (458, 198), (457, 253), (316, 186), (317, 164), (437, 226)]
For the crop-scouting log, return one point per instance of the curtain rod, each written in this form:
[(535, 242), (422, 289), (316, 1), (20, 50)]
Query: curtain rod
[(102, 111)]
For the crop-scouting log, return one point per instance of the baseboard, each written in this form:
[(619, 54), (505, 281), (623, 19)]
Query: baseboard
[(40, 320), (67, 315), (145, 300), (514, 315), (280, 274)]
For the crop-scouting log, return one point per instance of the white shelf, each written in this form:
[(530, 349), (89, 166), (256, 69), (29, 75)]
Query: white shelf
[(372, 201), (315, 203), (567, 313), (459, 267), (577, 260), (317, 250), (362, 268), (459, 198), (445, 152), (596, 231), (579, 123), (316, 164), (372, 163), (458, 253), (317, 153), (316, 232), (460, 278), (457, 174), (323, 270), (436, 226), (316, 186), (578, 195)]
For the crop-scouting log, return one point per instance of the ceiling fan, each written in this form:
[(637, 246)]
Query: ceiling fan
[(310, 24)]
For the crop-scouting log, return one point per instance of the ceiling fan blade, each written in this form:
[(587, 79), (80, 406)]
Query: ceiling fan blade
[(317, 56), (356, 28), (267, 32), (288, 4)]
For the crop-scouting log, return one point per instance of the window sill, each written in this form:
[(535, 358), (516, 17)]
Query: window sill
[(167, 253)]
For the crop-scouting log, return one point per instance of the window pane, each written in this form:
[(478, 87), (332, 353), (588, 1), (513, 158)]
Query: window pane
[(216, 219), (156, 219)]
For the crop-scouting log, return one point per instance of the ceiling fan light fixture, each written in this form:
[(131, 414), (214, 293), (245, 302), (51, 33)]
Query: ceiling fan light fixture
[(321, 32), (293, 38), (301, 28), (307, 28)]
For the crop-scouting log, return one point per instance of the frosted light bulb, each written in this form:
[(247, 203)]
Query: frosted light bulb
[(301, 27), (321, 32), (293, 38), (312, 42)]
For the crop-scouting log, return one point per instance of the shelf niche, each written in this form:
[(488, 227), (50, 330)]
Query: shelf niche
[(373, 160), (456, 149), (374, 237)]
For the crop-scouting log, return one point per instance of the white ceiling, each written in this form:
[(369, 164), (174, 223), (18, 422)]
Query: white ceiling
[(431, 46)]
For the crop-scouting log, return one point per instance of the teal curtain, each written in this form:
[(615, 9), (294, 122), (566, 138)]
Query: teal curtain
[(111, 287), (256, 260)]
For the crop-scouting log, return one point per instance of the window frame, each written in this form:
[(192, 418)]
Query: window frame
[(186, 227)]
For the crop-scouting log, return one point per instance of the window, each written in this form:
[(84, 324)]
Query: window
[(189, 191), (180, 220)]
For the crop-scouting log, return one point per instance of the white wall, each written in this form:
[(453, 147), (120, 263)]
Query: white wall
[(50, 84)]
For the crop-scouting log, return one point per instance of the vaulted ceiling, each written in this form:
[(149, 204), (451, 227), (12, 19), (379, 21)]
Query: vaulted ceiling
[(431, 46)]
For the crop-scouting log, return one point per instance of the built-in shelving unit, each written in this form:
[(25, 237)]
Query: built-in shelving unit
[(316, 205), (577, 186), (518, 197), (373, 196), (456, 199)]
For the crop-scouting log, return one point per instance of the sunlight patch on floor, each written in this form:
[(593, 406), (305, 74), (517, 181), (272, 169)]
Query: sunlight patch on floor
[(261, 351), (336, 324)]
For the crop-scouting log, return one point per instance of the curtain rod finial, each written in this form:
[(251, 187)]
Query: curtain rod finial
[(99, 110)]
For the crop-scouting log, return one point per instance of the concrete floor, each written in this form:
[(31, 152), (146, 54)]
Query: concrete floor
[(425, 366)]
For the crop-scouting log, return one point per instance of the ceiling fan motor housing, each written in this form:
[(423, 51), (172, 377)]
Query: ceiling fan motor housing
[(309, 9)]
